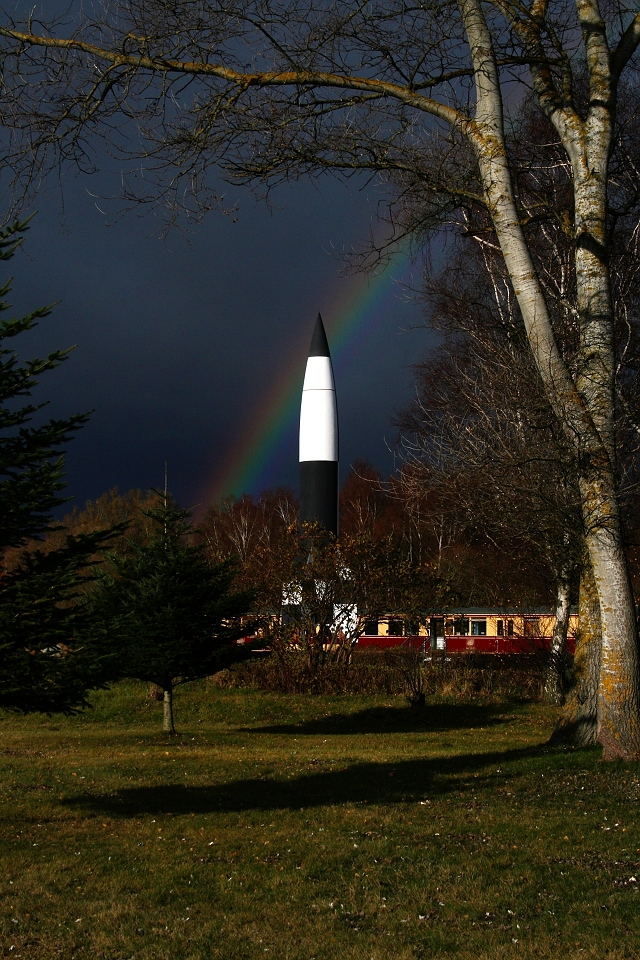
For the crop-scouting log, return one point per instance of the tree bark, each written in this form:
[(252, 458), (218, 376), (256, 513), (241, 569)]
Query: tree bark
[(578, 723), (167, 714), (554, 680), (586, 414), (618, 694), (618, 689)]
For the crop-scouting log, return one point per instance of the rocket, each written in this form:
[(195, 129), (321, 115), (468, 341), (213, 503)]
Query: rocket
[(319, 437)]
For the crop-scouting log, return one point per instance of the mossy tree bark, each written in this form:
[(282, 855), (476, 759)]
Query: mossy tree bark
[(578, 723), (554, 679), (585, 405)]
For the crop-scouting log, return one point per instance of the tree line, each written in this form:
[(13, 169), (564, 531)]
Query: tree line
[(483, 509)]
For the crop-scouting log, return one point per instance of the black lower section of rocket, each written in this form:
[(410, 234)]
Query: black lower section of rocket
[(319, 493)]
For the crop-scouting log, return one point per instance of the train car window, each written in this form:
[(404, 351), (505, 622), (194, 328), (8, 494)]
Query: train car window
[(461, 626), (436, 627), (478, 628), (531, 628), (500, 628), (371, 627), (395, 628), (509, 628)]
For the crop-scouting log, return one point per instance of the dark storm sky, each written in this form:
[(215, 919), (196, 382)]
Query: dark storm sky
[(179, 341)]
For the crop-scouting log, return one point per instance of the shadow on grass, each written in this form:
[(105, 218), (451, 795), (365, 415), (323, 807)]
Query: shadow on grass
[(407, 781), (392, 719)]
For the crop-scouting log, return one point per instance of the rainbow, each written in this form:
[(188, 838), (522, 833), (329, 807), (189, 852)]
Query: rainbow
[(272, 432)]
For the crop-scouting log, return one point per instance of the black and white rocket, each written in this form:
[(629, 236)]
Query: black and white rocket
[(319, 437)]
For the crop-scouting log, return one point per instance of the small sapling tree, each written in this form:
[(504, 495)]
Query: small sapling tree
[(171, 615)]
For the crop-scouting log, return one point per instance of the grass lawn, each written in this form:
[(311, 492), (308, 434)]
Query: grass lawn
[(312, 827)]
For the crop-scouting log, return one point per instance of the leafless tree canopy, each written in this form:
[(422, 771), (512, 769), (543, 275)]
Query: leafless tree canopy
[(272, 90), (174, 88)]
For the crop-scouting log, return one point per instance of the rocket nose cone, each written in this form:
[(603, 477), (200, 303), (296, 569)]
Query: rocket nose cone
[(319, 343)]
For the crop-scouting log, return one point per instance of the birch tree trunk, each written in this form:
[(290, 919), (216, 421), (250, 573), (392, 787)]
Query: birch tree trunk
[(587, 413), (578, 722), (167, 712), (618, 689), (588, 149), (554, 680)]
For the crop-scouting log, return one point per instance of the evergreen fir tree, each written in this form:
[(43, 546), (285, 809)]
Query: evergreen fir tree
[(47, 661), (171, 614)]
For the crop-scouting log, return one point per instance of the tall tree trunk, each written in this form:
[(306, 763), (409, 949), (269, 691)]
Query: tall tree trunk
[(587, 413), (167, 714), (554, 680), (619, 683), (578, 722), (588, 144), (619, 686)]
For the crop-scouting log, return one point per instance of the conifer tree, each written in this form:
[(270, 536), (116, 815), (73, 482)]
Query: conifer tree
[(171, 615), (47, 661)]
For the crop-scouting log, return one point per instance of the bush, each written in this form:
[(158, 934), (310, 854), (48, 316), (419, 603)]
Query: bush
[(390, 673)]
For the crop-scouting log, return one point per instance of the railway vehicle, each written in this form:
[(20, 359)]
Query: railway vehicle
[(485, 630)]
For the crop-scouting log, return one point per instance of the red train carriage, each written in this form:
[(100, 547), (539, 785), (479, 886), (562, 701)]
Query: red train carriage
[(471, 630)]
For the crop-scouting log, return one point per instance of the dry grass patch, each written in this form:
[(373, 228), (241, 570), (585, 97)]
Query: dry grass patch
[(312, 827)]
